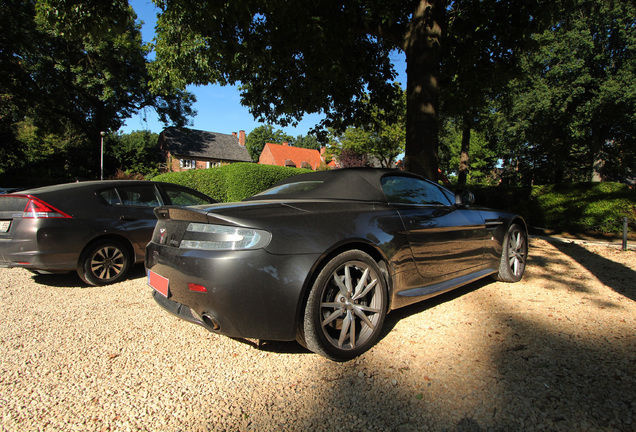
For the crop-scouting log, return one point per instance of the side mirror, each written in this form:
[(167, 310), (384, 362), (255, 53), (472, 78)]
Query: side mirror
[(464, 197)]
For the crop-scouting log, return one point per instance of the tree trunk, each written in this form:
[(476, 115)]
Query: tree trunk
[(462, 175), (598, 161), (422, 46)]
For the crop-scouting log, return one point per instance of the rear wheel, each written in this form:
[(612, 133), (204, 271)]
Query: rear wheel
[(513, 255), (346, 307), (104, 262)]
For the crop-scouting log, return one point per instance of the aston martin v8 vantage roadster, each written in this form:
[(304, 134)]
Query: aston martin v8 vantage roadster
[(323, 257)]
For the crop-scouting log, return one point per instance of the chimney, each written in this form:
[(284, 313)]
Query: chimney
[(285, 143), (241, 137), (234, 134)]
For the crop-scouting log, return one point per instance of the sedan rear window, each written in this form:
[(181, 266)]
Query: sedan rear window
[(142, 196)]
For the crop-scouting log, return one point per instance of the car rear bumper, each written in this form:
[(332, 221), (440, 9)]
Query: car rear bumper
[(25, 254), (247, 294)]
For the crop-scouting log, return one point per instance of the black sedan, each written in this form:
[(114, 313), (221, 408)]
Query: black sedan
[(323, 257), (97, 228)]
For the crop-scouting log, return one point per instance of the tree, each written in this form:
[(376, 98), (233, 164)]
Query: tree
[(135, 152), (306, 141), (483, 159), (255, 141), (572, 114), (352, 159), (325, 55), (382, 137), (74, 69)]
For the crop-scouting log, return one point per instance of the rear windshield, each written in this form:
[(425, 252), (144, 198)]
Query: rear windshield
[(292, 188), (13, 203)]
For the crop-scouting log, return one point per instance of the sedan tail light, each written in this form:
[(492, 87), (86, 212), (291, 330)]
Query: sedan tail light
[(37, 209)]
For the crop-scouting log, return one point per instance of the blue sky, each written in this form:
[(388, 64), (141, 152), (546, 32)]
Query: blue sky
[(219, 108)]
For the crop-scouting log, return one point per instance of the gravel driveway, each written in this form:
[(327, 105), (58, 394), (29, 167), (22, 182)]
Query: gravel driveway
[(556, 351)]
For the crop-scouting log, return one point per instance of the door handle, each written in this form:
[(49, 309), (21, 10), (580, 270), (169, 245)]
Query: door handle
[(127, 218)]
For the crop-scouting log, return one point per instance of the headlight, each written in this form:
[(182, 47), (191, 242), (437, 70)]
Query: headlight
[(220, 237)]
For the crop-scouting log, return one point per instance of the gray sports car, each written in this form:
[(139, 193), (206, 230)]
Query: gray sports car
[(97, 228), (323, 257)]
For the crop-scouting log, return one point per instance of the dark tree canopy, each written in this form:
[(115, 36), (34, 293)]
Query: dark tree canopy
[(326, 55), (74, 69), (571, 114)]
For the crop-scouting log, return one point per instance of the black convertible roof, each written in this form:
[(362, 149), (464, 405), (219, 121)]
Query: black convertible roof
[(360, 184)]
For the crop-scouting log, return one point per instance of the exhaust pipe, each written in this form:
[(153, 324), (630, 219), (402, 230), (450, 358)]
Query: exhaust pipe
[(211, 322)]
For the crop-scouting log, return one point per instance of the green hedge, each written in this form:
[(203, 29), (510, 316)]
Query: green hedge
[(575, 207), (233, 182)]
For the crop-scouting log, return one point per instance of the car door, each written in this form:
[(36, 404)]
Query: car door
[(446, 240), (133, 205)]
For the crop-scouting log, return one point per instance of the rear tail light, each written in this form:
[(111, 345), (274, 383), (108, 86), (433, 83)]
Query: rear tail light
[(37, 209)]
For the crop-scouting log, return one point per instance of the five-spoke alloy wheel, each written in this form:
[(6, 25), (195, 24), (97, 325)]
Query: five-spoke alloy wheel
[(346, 307)]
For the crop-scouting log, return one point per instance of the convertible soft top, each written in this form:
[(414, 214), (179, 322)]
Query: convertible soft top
[(359, 184)]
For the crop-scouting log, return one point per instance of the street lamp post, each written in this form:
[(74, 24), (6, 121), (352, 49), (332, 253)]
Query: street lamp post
[(101, 162)]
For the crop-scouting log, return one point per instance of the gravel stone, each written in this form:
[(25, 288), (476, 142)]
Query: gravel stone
[(554, 352)]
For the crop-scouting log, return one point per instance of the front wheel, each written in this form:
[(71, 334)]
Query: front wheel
[(346, 307), (513, 255), (103, 263)]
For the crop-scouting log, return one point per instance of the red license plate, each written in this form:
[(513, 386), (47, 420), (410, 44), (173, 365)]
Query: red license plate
[(158, 282)]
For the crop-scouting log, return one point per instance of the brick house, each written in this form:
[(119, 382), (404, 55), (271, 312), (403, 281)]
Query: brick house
[(286, 155), (183, 149)]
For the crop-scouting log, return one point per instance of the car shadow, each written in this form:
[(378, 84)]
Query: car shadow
[(391, 320), (279, 347), (397, 315), (72, 280), (614, 275)]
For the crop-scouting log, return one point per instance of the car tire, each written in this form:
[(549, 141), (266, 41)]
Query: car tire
[(346, 307), (513, 255), (104, 262)]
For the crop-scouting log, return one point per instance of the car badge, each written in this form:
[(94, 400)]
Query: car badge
[(162, 235)]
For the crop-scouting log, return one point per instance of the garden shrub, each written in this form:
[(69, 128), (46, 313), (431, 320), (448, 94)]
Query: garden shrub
[(233, 182), (575, 207)]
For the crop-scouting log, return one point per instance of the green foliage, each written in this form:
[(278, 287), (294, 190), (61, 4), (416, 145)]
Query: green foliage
[(574, 207), (571, 114), (483, 159), (233, 182), (307, 141), (73, 69), (135, 152), (382, 137)]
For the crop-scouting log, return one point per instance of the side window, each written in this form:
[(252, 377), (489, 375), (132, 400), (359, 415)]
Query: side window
[(183, 198), (409, 190), (110, 196), (187, 163), (144, 195)]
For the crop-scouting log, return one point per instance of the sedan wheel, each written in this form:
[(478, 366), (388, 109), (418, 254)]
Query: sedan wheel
[(513, 255), (346, 307), (104, 263)]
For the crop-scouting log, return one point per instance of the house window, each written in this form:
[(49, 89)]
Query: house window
[(187, 163)]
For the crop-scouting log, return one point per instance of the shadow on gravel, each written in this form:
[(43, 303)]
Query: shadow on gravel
[(614, 275), (279, 347), (395, 316), (72, 280)]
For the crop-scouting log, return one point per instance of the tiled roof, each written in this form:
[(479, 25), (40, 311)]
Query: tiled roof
[(298, 155), (203, 144)]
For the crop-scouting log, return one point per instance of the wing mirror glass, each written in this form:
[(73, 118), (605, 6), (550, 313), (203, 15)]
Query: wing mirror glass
[(464, 197)]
